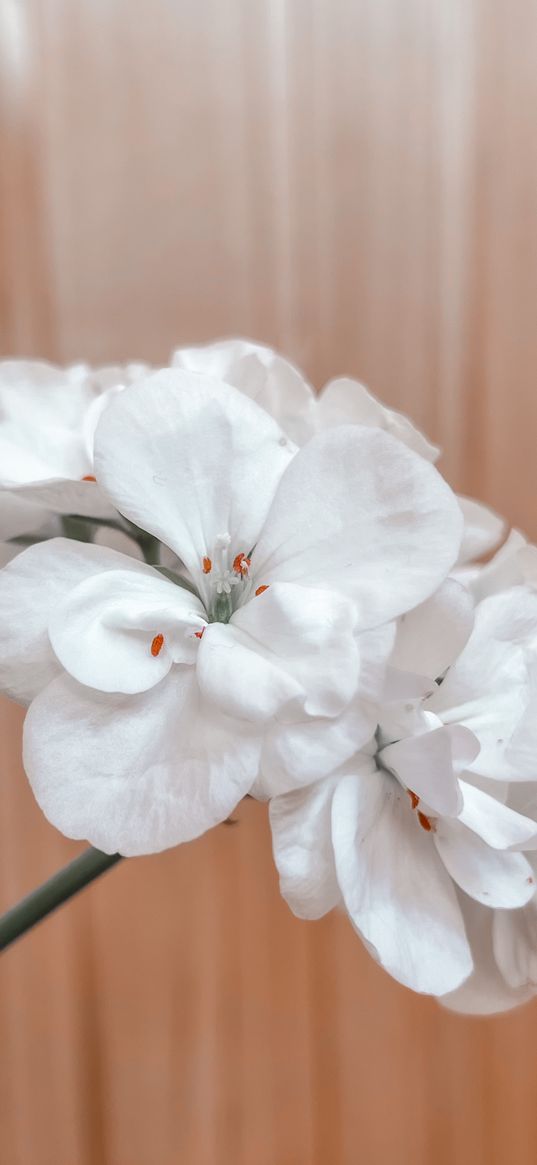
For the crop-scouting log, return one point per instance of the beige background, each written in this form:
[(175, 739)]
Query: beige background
[(353, 181)]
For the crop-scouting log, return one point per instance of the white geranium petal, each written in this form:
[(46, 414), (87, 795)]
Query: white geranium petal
[(18, 516), (497, 824), (297, 753), (241, 680), (425, 765), (120, 631), (483, 530), (490, 688), (486, 991), (136, 774), (344, 401), (301, 828), (395, 888), (514, 940), (64, 496), (493, 877), (32, 586), (430, 637), (272, 382), (358, 512), (190, 459), (310, 634)]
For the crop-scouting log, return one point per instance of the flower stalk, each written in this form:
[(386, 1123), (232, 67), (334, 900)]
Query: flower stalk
[(53, 893)]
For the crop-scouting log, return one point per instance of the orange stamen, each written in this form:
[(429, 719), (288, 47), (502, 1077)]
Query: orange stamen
[(426, 823), (241, 564), (199, 634), (207, 565), (156, 646), (260, 590), (414, 799), (88, 477)]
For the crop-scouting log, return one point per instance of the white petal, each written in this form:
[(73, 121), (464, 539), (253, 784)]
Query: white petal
[(498, 825), (505, 569), (298, 753), (514, 937), (396, 890), (490, 687), (65, 496), (18, 516), (345, 401), (430, 637), (358, 512), (483, 530), (310, 634), (427, 765), (136, 774), (485, 992), (104, 631), (32, 587), (41, 411), (240, 679), (190, 459), (493, 877), (302, 845), (43, 451), (275, 384)]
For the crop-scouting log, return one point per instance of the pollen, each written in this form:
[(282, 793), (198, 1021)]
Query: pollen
[(426, 823), (88, 477), (157, 645), (207, 565), (260, 590), (241, 564), (198, 634), (414, 799)]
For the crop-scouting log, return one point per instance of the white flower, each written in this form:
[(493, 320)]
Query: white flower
[(264, 376), (276, 385), (389, 836), (152, 702), (47, 422), (281, 389), (398, 825), (504, 953), (503, 942)]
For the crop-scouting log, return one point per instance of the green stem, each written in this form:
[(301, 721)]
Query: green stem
[(53, 893)]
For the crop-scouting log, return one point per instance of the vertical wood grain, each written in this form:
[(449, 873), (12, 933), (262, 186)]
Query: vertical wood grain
[(353, 182)]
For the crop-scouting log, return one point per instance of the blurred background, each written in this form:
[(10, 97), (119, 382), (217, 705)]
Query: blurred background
[(355, 183)]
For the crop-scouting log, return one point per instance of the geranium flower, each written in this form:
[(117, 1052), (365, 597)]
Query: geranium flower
[(277, 386), (282, 390), (400, 824), (48, 417), (504, 952), (152, 700)]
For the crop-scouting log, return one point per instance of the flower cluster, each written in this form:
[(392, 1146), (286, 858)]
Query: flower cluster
[(216, 584)]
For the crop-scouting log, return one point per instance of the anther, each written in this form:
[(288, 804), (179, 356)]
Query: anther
[(414, 799), (88, 477), (198, 634), (426, 823), (260, 590), (156, 646), (207, 565), (241, 564)]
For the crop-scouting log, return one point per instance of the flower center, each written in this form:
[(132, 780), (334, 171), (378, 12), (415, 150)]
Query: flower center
[(223, 578)]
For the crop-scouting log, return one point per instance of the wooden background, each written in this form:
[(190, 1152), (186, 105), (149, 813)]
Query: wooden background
[(353, 181)]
